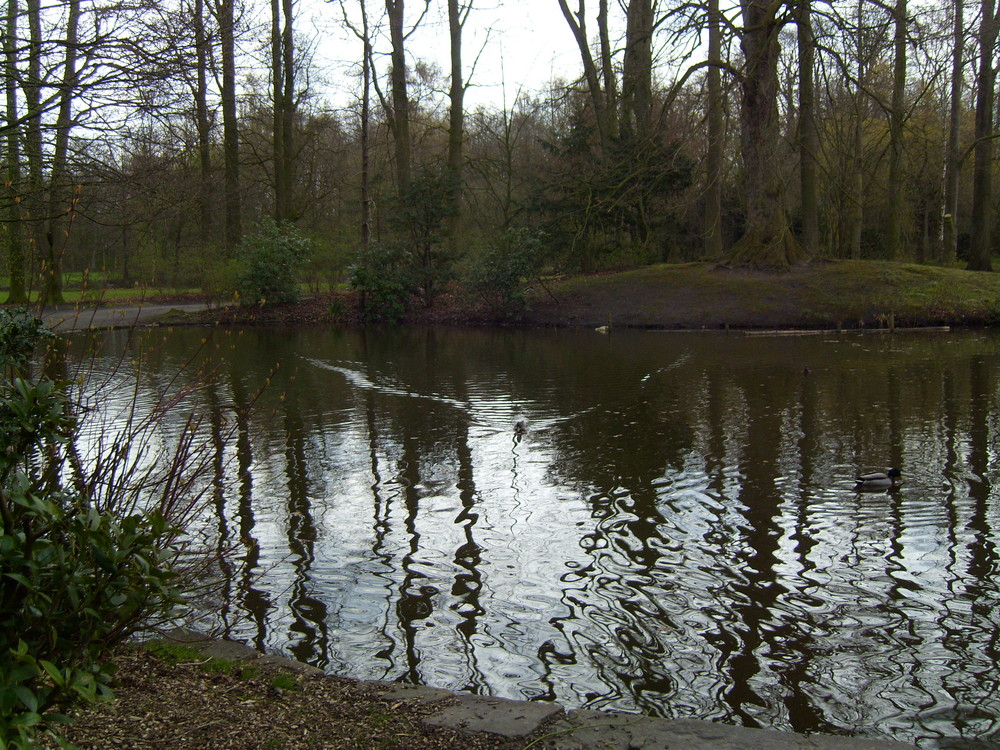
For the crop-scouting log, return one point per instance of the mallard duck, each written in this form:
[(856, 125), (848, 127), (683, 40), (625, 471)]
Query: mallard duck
[(879, 480)]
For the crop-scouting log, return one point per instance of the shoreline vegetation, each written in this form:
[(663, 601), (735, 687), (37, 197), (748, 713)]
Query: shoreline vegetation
[(700, 296)]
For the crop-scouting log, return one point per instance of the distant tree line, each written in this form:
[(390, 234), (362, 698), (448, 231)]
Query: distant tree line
[(145, 137)]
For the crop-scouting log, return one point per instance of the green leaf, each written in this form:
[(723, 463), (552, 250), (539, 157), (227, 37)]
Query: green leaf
[(30, 719), (27, 697), (22, 673), (23, 580), (52, 671)]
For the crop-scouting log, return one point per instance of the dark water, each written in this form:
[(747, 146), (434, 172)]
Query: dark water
[(676, 533)]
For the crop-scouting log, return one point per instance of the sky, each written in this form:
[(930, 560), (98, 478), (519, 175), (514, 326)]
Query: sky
[(518, 43)]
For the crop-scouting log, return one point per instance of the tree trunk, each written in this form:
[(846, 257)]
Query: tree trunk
[(15, 233), (366, 75), (226, 17), (637, 69), (855, 214), (612, 121), (277, 112), (767, 241), (288, 109), (982, 184), (203, 124), (400, 118), (953, 157), (63, 197), (456, 120), (897, 191), (33, 212), (808, 137), (713, 156)]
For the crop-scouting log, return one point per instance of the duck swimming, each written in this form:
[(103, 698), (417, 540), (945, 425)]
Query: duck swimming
[(879, 480)]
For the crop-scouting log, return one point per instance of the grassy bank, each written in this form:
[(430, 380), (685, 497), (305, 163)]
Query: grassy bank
[(823, 294)]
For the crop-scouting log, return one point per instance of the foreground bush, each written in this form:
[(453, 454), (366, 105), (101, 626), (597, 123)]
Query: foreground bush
[(89, 538)]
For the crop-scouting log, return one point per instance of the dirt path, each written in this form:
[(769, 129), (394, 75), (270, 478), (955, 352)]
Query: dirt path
[(74, 318)]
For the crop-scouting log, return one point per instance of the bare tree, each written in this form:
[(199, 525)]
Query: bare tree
[(600, 95), (982, 182), (637, 69), (897, 199), (953, 156), (225, 16), (366, 78), (399, 114), (712, 228), (364, 35), (203, 121), (63, 198), (458, 13), (809, 144), (283, 74), (14, 231)]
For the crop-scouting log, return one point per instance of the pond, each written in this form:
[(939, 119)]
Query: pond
[(675, 532)]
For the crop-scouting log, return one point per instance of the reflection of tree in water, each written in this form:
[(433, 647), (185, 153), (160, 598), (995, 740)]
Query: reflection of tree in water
[(219, 434), (252, 599), (416, 602), (468, 582), (381, 527), (419, 416), (796, 643), (309, 612), (620, 446), (758, 627)]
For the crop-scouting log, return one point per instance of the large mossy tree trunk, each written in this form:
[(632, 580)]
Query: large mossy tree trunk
[(767, 240)]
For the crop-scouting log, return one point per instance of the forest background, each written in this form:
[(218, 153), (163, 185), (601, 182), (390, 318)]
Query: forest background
[(144, 141)]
